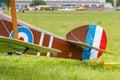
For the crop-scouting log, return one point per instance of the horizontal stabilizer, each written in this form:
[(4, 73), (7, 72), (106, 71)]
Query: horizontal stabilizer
[(81, 44), (12, 45)]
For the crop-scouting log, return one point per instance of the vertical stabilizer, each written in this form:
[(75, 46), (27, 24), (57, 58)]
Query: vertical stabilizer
[(93, 35)]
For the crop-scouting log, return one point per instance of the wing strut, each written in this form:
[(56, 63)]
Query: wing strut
[(25, 50), (14, 20)]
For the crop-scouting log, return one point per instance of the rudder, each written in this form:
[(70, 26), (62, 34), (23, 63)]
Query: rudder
[(93, 35)]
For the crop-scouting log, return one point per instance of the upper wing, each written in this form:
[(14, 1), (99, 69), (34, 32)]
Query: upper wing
[(81, 44), (12, 45)]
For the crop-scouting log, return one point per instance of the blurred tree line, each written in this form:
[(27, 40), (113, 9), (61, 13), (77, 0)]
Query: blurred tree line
[(37, 2), (118, 2), (112, 1), (6, 2)]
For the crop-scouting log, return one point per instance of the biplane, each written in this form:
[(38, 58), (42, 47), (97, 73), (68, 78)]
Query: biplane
[(82, 43)]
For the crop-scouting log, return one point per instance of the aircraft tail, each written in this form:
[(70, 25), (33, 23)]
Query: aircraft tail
[(92, 35)]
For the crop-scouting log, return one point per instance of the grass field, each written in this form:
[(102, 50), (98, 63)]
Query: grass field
[(42, 68)]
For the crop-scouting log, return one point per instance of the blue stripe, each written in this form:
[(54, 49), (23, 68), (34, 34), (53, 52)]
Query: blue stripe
[(89, 40)]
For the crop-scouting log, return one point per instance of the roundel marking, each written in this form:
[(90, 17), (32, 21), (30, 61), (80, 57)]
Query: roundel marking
[(24, 34)]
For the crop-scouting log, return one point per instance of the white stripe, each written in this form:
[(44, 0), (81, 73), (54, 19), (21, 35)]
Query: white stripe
[(41, 39), (41, 42), (96, 42), (38, 53), (50, 45)]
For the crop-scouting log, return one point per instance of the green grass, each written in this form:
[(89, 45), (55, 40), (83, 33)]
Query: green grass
[(42, 68)]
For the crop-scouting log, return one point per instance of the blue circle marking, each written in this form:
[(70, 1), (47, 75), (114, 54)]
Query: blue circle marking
[(25, 30)]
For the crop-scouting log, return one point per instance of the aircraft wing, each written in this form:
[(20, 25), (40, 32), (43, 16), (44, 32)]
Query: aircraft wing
[(12, 45), (81, 44)]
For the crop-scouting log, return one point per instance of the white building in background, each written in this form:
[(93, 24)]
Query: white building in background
[(23, 3), (85, 3)]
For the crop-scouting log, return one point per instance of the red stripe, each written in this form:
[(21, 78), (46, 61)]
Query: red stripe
[(103, 43)]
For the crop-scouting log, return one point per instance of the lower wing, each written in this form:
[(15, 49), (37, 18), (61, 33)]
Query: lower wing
[(12, 45)]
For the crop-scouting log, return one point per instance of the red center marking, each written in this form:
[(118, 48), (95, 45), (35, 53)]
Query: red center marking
[(21, 38)]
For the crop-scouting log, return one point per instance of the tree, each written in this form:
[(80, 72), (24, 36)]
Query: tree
[(111, 1), (7, 2), (37, 2), (118, 2)]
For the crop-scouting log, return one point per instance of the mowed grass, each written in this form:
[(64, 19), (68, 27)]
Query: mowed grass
[(42, 68)]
